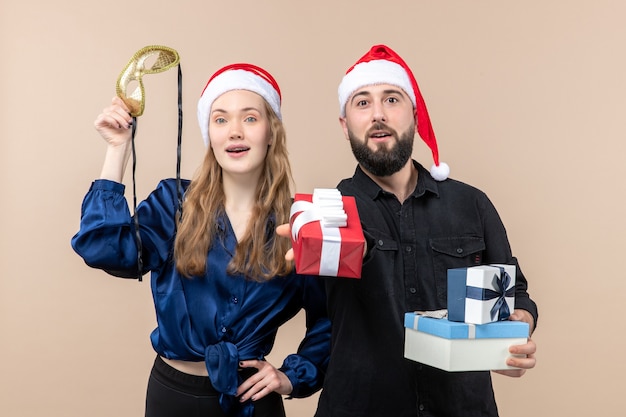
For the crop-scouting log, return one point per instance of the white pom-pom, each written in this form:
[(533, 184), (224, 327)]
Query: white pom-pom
[(441, 172)]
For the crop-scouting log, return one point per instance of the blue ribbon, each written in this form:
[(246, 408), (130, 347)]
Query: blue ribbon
[(500, 309)]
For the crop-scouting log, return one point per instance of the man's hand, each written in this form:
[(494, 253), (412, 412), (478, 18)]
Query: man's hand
[(525, 358), (284, 230)]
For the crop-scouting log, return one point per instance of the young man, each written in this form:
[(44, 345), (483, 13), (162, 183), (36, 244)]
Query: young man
[(418, 224)]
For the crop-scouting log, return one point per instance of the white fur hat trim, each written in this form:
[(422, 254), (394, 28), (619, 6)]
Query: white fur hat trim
[(371, 73), (236, 79)]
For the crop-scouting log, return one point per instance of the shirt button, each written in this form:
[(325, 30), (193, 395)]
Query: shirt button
[(380, 242), (235, 300), (421, 407), (412, 290), (459, 250), (408, 249), (224, 330)]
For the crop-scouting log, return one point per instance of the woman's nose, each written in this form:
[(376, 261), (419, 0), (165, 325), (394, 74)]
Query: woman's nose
[(236, 132)]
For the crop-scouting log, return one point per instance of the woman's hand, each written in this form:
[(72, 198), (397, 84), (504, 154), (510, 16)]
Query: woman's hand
[(265, 381), (114, 123)]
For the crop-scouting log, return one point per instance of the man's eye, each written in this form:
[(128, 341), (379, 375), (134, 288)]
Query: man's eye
[(392, 100), (361, 103)]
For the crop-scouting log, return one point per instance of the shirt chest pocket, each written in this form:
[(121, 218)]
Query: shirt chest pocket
[(379, 266), (454, 252)]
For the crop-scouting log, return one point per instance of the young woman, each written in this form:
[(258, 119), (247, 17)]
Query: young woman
[(220, 283)]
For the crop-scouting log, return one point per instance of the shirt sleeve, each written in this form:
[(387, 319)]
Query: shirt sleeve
[(307, 368), (106, 237), (499, 251)]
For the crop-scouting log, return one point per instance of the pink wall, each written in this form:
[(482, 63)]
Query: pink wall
[(527, 100)]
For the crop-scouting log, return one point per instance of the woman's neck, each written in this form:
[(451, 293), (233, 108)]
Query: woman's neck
[(240, 197)]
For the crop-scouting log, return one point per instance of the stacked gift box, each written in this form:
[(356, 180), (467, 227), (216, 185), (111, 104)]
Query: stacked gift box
[(476, 335)]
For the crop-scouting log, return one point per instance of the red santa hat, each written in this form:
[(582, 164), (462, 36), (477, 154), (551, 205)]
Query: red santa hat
[(381, 65), (239, 76)]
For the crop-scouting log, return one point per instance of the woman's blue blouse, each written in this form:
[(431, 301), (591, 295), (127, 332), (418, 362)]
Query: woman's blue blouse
[(217, 318)]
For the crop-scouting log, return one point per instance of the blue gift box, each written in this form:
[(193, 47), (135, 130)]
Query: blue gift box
[(454, 346), (481, 294)]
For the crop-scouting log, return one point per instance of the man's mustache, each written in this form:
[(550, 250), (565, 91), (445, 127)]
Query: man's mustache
[(380, 126)]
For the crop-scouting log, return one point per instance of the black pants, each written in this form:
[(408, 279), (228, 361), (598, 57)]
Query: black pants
[(172, 393)]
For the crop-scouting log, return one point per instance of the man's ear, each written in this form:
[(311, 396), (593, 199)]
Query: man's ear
[(344, 126)]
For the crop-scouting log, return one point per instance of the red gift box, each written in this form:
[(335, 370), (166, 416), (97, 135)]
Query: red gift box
[(326, 234)]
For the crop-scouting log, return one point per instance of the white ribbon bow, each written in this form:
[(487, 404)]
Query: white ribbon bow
[(327, 208)]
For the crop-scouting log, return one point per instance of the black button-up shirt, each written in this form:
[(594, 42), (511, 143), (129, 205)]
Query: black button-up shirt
[(441, 225)]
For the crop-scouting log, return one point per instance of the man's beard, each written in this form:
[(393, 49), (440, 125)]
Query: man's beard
[(383, 162)]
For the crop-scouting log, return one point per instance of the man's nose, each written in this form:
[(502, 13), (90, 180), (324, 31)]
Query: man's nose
[(378, 113)]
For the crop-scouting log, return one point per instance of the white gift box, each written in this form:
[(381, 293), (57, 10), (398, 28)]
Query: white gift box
[(481, 294), (454, 346)]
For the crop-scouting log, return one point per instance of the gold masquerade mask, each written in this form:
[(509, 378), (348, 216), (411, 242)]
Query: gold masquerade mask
[(148, 60)]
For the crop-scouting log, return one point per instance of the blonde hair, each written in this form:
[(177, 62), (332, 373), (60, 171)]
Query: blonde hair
[(260, 253)]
